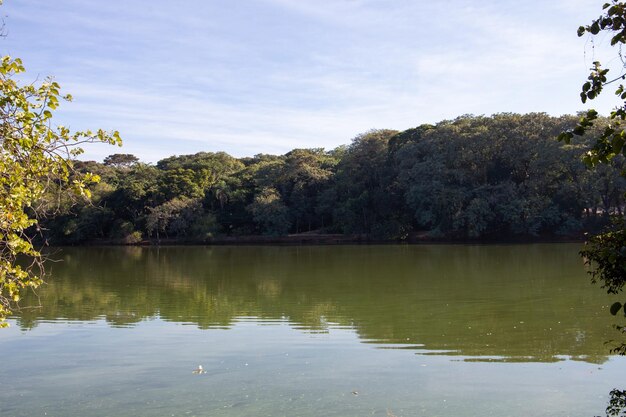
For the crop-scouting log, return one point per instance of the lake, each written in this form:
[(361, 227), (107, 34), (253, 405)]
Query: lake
[(380, 330)]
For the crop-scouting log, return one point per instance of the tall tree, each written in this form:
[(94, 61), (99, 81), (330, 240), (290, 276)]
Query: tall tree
[(305, 174), (121, 160), (270, 213), (363, 188)]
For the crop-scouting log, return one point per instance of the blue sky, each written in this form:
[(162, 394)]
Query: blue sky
[(267, 76)]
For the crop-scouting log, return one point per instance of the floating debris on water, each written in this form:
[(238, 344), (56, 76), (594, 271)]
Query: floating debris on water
[(199, 371)]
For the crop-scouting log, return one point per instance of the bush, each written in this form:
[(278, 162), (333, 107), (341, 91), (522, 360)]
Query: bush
[(132, 238)]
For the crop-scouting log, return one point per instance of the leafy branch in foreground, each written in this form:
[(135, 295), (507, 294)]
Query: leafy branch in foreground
[(35, 162), (612, 140), (605, 254), (617, 404)]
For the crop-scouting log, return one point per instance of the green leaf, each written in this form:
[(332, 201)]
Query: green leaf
[(615, 308), (565, 137), (617, 143), (594, 28)]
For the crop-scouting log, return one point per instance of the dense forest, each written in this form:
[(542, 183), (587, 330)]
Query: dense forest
[(474, 177)]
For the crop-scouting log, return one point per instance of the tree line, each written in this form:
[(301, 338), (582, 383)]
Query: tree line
[(474, 177)]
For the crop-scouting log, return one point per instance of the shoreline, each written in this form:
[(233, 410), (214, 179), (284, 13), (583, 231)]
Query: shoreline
[(324, 240)]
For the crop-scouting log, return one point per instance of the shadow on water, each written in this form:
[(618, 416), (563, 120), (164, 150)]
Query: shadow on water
[(483, 303)]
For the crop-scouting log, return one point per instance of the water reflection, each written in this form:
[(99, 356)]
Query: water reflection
[(495, 303)]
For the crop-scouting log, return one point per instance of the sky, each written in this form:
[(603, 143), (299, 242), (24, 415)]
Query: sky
[(267, 76)]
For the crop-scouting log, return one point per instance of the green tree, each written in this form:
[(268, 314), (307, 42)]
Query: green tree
[(180, 217), (364, 186), (137, 189), (35, 162), (498, 176), (195, 175), (270, 213), (121, 160), (305, 174)]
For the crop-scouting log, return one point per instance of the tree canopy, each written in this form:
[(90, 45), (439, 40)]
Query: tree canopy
[(121, 160), (474, 177)]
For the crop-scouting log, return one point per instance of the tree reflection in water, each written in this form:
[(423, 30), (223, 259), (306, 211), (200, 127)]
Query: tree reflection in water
[(496, 303)]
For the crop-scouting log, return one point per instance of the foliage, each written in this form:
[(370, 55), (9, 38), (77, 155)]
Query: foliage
[(497, 177), (269, 212), (617, 404), (611, 142), (306, 172), (132, 238), (176, 217), (606, 254), (365, 202), (121, 160), (35, 165)]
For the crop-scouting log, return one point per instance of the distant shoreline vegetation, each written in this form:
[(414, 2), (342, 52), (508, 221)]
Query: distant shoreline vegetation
[(503, 177)]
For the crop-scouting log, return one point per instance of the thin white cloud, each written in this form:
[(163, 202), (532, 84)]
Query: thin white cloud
[(264, 76)]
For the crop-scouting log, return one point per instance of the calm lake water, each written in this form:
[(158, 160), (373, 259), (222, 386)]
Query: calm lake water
[(441, 330)]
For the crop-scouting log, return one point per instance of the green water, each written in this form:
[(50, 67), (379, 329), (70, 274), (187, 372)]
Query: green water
[(437, 330)]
